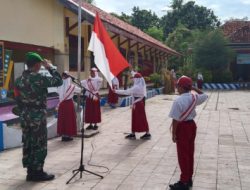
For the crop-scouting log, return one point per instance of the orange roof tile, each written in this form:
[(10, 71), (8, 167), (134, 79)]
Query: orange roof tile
[(237, 31)]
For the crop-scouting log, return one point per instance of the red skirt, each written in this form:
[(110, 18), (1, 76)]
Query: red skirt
[(66, 123), (139, 118), (92, 111), (112, 97)]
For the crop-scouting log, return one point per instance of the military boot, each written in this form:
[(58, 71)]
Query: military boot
[(29, 174), (40, 175)]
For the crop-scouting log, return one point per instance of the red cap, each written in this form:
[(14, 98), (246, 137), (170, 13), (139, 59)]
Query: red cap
[(185, 82), (137, 75)]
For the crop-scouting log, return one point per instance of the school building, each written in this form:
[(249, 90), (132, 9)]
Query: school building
[(238, 33), (49, 27)]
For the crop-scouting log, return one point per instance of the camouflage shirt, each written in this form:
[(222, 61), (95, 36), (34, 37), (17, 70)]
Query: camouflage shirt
[(32, 89), (31, 96)]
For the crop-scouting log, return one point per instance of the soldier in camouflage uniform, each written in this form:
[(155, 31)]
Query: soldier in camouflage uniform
[(31, 95)]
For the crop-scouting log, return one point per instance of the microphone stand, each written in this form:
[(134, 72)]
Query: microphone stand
[(81, 168)]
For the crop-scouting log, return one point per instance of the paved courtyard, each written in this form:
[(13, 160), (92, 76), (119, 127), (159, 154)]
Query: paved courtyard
[(222, 157)]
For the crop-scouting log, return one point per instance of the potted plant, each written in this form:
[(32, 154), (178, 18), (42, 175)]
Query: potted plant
[(155, 78)]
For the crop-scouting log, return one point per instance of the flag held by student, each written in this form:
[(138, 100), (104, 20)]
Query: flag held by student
[(107, 57)]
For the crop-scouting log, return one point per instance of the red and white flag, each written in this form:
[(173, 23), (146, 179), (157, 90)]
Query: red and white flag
[(108, 59)]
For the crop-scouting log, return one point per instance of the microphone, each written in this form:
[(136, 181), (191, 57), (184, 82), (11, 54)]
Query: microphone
[(68, 75), (72, 78)]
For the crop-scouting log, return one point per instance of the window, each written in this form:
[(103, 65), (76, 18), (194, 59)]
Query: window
[(140, 60), (131, 57), (73, 51)]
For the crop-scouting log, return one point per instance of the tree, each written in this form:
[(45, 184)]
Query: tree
[(90, 1), (176, 4), (155, 32), (190, 15), (144, 19), (181, 40), (212, 54), (124, 17)]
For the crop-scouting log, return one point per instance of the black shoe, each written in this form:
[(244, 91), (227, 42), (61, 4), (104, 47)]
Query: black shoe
[(41, 176), (29, 177), (130, 136), (179, 186), (89, 127), (190, 183), (65, 138), (146, 136), (95, 127), (29, 174)]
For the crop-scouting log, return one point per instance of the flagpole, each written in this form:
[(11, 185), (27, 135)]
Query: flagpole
[(79, 50), (79, 62), (81, 168)]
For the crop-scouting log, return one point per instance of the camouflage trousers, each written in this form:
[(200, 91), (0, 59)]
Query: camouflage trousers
[(34, 140)]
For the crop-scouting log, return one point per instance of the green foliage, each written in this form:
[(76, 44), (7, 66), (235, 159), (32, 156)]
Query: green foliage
[(90, 1), (212, 54), (192, 71), (155, 32), (156, 79), (190, 15), (181, 40), (147, 79), (188, 70), (177, 4), (124, 17), (137, 68), (223, 76), (207, 76), (144, 19)]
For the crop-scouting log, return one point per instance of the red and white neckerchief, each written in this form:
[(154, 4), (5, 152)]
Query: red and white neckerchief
[(69, 91), (92, 88), (189, 110)]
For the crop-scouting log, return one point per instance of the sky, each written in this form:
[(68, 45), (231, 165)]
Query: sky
[(223, 9)]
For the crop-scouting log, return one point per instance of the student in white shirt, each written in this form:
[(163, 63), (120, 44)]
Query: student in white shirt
[(199, 80), (184, 129), (139, 118), (92, 109), (66, 123)]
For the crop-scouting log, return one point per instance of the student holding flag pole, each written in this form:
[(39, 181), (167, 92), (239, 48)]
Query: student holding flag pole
[(139, 118)]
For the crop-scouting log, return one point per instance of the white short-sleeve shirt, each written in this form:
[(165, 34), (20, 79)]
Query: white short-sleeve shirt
[(94, 87), (181, 104)]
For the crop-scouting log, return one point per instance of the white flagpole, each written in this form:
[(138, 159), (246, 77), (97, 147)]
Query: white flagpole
[(79, 39), (79, 60)]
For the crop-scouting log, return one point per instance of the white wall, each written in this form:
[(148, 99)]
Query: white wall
[(37, 22)]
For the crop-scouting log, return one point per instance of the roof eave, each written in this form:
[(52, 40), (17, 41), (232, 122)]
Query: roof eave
[(90, 16)]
